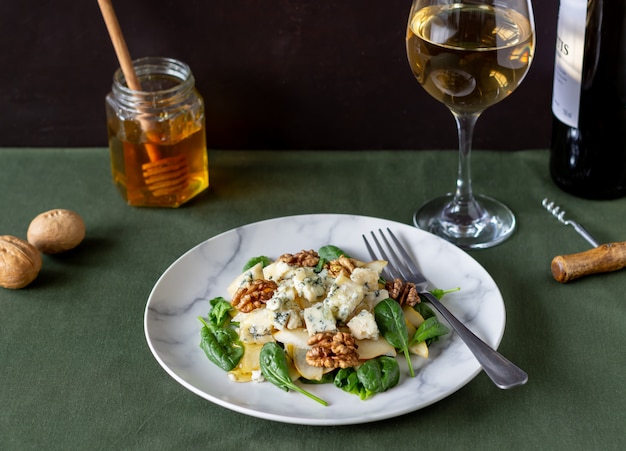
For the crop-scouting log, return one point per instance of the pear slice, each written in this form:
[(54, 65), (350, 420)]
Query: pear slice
[(310, 372), (412, 316), (420, 349), (369, 349)]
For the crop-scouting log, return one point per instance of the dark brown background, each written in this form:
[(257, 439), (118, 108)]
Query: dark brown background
[(279, 74)]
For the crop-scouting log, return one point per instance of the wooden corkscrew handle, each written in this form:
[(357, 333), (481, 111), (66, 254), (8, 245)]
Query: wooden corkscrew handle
[(604, 258)]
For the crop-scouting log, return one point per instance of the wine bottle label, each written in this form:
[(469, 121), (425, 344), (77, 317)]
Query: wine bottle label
[(568, 64)]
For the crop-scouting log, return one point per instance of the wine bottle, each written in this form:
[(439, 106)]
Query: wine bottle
[(588, 148)]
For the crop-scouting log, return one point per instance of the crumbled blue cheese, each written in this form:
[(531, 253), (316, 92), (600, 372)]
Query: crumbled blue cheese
[(283, 298), (287, 312), (343, 297), (257, 376), (309, 284), (319, 318), (373, 298), (363, 326), (366, 277), (277, 271)]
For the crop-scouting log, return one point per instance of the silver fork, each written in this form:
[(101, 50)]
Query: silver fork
[(500, 370)]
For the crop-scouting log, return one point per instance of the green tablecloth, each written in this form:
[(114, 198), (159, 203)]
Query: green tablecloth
[(76, 372)]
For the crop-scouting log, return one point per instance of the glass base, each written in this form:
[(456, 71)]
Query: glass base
[(478, 225)]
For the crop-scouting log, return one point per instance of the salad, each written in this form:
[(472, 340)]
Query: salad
[(318, 317)]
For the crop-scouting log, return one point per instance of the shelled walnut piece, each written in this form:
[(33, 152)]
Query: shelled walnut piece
[(254, 295), (403, 292), (342, 265), (332, 350), (20, 262), (303, 258)]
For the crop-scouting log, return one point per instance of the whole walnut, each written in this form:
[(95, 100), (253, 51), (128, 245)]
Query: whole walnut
[(20, 262), (56, 231)]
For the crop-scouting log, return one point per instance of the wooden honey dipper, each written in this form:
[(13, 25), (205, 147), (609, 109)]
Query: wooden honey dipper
[(162, 175)]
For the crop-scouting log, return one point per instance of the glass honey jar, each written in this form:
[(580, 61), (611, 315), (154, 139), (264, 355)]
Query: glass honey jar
[(157, 138)]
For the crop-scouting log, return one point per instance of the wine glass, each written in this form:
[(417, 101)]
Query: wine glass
[(469, 55)]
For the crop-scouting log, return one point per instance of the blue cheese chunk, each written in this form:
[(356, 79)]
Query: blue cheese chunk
[(309, 284), (287, 319), (366, 277), (319, 318), (285, 308), (363, 326), (373, 298), (343, 297), (283, 298), (277, 271)]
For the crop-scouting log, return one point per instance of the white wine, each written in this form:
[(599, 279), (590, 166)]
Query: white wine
[(588, 148), (469, 57)]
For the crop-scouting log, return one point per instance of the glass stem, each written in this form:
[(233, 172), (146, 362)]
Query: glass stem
[(464, 206)]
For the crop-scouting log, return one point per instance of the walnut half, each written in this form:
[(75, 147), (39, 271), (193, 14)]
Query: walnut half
[(403, 292), (308, 258), (342, 265), (253, 295), (332, 350)]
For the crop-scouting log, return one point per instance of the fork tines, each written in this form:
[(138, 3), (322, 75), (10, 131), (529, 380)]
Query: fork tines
[(399, 266)]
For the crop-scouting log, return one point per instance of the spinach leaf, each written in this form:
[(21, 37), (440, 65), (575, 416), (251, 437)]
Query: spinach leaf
[(219, 314), (255, 260), (221, 345), (347, 379), (424, 309), (374, 376), (330, 252), (439, 293), (429, 330), (379, 374), (390, 371), (275, 370), (390, 320)]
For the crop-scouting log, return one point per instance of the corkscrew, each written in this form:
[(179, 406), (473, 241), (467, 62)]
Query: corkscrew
[(602, 258), (560, 215)]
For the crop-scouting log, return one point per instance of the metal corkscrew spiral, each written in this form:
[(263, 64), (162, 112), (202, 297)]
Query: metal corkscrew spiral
[(560, 215)]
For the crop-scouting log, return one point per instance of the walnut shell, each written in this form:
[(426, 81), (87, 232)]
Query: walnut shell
[(56, 231), (20, 262)]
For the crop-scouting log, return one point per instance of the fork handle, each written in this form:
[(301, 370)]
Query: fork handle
[(605, 258), (501, 371)]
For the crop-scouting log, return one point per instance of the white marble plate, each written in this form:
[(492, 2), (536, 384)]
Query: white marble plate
[(182, 293)]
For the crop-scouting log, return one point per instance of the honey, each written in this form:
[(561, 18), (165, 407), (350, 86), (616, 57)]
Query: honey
[(157, 137)]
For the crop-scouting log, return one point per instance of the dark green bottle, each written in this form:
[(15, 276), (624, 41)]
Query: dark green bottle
[(588, 149)]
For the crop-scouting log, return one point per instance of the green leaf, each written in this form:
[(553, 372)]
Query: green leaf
[(256, 260), (348, 380), (274, 368), (439, 293), (424, 309), (431, 328), (221, 345), (330, 252), (391, 322), (373, 376), (219, 314), (390, 371)]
